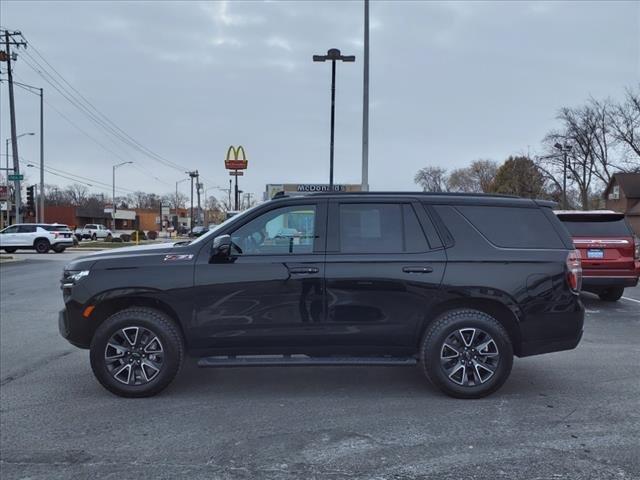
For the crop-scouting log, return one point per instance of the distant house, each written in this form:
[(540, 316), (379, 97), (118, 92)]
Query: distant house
[(623, 195)]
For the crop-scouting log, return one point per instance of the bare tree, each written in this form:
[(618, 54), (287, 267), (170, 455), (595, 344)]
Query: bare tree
[(77, 194), (174, 202), (432, 179), (476, 178), (624, 121)]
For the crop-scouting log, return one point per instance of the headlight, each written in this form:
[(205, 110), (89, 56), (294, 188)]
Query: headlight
[(71, 277)]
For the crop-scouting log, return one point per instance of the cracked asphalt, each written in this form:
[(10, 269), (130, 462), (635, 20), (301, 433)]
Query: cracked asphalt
[(566, 415)]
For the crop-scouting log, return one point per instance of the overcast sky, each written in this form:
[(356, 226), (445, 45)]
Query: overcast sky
[(450, 83)]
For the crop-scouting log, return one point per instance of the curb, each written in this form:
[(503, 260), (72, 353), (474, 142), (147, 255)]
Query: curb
[(10, 259)]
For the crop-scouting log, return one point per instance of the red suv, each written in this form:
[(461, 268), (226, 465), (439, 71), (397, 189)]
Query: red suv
[(609, 251)]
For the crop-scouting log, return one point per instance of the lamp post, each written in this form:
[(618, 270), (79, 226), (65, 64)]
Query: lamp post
[(117, 165), (333, 55), (564, 149), (7, 170)]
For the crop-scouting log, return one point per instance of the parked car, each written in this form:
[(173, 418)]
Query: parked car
[(94, 232), (40, 237), (457, 284), (609, 250)]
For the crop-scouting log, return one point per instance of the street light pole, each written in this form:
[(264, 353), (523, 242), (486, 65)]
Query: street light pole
[(41, 209), (117, 165), (365, 103), (6, 144), (334, 55), (565, 149)]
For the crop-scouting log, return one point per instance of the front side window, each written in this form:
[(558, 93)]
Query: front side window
[(12, 229), (283, 231)]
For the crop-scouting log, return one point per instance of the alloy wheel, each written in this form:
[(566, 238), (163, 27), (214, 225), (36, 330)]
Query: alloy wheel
[(134, 355), (469, 357)]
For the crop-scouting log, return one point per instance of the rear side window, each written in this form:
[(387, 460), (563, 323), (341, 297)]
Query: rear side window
[(26, 229), (55, 228), (602, 227), (513, 227), (380, 228)]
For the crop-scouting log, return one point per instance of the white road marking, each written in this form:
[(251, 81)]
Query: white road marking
[(631, 299)]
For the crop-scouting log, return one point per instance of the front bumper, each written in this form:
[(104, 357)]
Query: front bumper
[(75, 329)]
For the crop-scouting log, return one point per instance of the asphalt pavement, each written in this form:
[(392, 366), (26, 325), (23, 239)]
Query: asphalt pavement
[(566, 415)]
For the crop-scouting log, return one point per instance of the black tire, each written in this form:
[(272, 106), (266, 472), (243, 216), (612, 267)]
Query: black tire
[(42, 245), (58, 249), (612, 294), (453, 324), (148, 319), (10, 249), (78, 237)]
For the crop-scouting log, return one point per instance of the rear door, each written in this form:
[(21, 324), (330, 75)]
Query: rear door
[(381, 273), (26, 235)]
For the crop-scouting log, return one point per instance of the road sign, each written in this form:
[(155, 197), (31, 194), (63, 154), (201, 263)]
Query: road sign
[(13, 177), (236, 173)]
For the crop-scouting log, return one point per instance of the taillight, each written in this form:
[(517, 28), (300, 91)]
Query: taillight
[(636, 253), (574, 271), (55, 234)]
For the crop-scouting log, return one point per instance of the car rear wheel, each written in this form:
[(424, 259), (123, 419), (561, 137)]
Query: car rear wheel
[(10, 250), (612, 294), (58, 249), (136, 352), (42, 245), (466, 353)]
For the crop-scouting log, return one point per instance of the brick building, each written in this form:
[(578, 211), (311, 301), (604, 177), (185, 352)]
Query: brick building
[(623, 195)]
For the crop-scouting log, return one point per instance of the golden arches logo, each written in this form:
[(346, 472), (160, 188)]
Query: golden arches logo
[(234, 160)]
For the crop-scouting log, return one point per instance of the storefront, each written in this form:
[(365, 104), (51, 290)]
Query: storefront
[(294, 189)]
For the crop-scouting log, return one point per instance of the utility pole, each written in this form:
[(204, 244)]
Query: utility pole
[(41, 209), (229, 194), (365, 103), (12, 113), (564, 149)]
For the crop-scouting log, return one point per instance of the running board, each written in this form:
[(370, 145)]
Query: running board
[(302, 360)]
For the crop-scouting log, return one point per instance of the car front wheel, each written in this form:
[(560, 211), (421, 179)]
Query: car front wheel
[(612, 294), (466, 353), (10, 250), (136, 352)]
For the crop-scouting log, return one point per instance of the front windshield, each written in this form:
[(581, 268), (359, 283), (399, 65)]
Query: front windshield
[(212, 233)]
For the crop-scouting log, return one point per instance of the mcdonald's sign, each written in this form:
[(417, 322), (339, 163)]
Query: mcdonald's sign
[(234, 160)]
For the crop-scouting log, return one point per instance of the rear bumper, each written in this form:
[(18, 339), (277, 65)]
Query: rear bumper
[(552, 331), (604, 282)]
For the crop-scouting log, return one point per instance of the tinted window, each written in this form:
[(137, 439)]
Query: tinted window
[(26, 229), (380, 228), (55, 228), (12, 229), (601, 227), (287, 230), (513, 227)]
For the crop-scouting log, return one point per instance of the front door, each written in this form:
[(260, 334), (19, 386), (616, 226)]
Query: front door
[(270, 293), (383, 271), (8, 236)]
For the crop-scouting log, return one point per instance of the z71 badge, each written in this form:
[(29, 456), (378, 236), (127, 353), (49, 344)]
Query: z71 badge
[(175, 258)]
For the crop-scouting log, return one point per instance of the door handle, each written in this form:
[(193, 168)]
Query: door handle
[(417, 269), (304, 270)]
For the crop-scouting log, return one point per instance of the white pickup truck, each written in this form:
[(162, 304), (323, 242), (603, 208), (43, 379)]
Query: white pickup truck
[(93, 231)]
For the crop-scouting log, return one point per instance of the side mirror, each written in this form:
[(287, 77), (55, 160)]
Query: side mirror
[(220, 249)]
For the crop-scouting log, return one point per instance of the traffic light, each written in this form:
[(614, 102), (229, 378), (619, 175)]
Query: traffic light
[(31, 204)]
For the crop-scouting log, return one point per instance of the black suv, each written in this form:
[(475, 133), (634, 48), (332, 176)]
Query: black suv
[(457, 284)]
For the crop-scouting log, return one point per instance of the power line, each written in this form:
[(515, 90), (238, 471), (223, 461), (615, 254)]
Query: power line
[(98, 142), (87, 108)]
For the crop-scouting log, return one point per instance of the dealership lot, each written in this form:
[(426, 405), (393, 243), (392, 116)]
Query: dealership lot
[(563, 415)]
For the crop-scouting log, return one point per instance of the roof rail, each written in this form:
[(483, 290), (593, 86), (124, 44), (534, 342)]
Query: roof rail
[(443, 194)]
